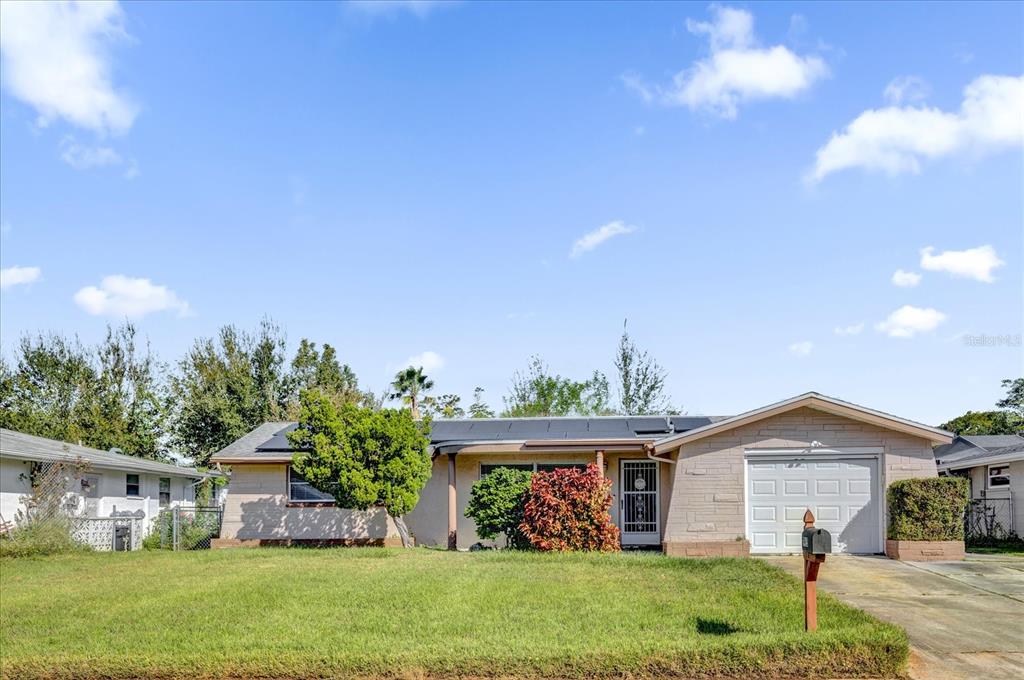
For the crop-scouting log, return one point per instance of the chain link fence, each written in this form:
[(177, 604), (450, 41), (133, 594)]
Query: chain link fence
[(186, 527), (989, 518)]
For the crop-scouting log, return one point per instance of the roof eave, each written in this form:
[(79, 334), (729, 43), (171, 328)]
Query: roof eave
[(818, 402)]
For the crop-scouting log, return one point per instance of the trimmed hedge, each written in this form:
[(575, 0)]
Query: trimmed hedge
[(930, 509)]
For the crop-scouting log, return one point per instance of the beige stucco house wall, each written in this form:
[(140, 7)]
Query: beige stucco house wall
[(708, 504), (257, 511), (702, 477), (428, 522)]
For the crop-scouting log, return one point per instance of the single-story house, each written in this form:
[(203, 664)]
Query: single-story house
[(994, 464), (110, 484), (691, 485)]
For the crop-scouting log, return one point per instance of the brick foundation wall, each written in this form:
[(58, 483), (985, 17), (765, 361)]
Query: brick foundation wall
[(924, 551), (706, 548)]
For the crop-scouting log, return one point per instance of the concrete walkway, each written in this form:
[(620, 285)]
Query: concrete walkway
[(965, 619)]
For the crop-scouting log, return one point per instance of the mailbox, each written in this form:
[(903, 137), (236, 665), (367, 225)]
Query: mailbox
[(817, 541)]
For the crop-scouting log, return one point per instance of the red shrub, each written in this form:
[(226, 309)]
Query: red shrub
[(567, 509)]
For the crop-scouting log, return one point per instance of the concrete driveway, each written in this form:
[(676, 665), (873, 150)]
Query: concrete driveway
[(965, 619)]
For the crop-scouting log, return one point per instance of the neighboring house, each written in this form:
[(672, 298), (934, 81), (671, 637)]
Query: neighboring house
[(994, 464), (110, 485), (690, 485)]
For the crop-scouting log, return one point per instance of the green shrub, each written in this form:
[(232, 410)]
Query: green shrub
[(930, 509), (496, 505), (40, 538)]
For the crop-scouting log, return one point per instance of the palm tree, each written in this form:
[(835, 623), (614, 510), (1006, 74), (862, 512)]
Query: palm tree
[(408, 385)]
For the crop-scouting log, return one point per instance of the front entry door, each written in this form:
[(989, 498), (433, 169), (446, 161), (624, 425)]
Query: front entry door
[(638, 502)]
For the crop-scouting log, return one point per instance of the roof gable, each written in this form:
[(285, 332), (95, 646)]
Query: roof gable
[(819, 402)]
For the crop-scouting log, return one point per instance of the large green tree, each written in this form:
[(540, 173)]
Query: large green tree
[(108, 396), (444, 406), (225, 387), (538, 392), (320, 370), (479, 408), (363, 457), (641, 380), (409, 386), (1009, 420)]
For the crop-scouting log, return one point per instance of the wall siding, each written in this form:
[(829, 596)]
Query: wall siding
[(257, 507), (709, 491)]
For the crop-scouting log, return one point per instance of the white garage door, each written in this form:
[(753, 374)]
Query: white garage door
[(842, 493)]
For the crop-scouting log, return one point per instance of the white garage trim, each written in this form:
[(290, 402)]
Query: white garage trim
[(872, 453)]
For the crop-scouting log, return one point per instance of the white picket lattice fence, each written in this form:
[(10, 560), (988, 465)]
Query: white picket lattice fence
[(101, 533)]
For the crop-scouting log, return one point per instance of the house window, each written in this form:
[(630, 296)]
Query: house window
[(486, 469), (551, 467), (301, 491), (165, 491), (998, 475), (131, 486)]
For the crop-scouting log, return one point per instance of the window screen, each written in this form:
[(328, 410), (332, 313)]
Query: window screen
[(301, 491), (131, 486), (165, 491)]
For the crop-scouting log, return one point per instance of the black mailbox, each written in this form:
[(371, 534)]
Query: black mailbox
[(122, 538), (817, 541)]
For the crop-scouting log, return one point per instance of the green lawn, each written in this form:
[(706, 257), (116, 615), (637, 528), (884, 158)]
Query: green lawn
[(289, 613)]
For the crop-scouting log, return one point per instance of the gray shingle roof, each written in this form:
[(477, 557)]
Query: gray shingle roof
[(29, 447), (251, 445), (269, 441), (965, 449)]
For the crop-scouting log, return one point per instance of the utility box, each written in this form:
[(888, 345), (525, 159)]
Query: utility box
[(816, 541), (122, 539)]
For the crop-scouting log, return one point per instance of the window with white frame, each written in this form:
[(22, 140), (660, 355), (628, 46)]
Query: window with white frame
[(998, 475), (165, 491), (301, 491), (132, 486)]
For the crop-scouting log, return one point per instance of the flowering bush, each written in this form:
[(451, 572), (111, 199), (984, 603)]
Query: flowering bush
[(567, 509)]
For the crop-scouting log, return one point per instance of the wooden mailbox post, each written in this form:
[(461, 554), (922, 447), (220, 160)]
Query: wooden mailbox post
[(816, 544)]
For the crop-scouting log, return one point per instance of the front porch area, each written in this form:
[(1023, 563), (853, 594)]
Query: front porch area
[(641, 490)]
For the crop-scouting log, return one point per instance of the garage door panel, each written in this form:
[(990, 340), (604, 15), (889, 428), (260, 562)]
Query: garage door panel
[(826, 487), (842, 493), (828, 513), (795, 513), (794, 487)]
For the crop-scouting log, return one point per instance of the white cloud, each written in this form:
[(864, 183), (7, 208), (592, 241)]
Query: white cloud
[(390, 8), (801, 349), (635, 84), (56, 60), (82, 157), (737, 69), (853, 329), (429, 361), (905, 279), (906, 89), (17, 276), (120, 295), (907, 321), (593, 239), (973, 263), (896, 139)]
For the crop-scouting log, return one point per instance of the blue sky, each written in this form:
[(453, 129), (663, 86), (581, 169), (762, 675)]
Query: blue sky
[(483, 182)]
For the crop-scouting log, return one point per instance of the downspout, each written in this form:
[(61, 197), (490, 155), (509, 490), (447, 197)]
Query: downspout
[(649, 452)]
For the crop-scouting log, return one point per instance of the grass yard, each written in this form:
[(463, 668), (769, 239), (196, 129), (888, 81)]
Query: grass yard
[(300, 613)]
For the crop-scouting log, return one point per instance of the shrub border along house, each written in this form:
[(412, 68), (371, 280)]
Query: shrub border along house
[(926, 519)]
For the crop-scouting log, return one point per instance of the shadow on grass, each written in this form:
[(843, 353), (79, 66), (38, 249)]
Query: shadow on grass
[(712, 627)]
